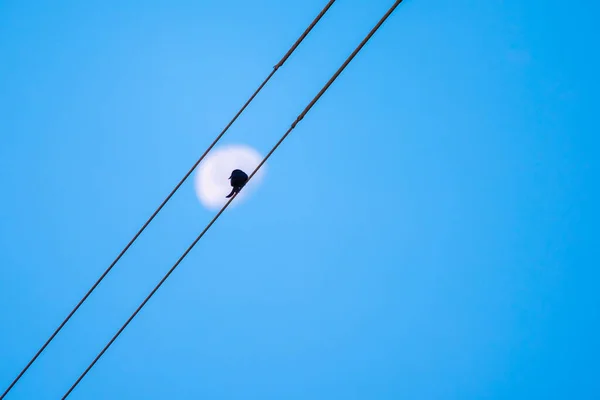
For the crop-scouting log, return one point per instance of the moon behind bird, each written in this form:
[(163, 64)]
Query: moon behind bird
[(211, 181)]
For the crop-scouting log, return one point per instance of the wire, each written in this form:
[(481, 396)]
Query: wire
[(300, 117), (187, 175)]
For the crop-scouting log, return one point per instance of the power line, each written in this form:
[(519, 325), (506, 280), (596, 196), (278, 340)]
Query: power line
[(187, 175), (300, 117)]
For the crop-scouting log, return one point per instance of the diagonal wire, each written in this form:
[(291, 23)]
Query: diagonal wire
[(300, 117), (187, 175)]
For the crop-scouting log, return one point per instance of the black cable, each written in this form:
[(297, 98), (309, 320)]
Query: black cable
[(275, 68), (300, 117)]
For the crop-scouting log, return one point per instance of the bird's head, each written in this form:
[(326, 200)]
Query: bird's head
[(234, 172)]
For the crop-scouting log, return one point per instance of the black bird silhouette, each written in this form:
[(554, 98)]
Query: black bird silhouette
[(238, 180)]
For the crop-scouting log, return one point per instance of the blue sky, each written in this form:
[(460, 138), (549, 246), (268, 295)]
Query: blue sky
[(429, 231)]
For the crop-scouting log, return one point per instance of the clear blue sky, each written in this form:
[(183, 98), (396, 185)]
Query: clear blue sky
[(429, 231)]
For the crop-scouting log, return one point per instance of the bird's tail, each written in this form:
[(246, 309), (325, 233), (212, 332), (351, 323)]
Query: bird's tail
[(231, 194)]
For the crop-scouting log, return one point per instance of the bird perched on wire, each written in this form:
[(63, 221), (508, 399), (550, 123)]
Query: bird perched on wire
[(238, 180)]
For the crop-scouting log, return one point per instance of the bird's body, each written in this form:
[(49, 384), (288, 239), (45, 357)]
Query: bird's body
[(238, 179)]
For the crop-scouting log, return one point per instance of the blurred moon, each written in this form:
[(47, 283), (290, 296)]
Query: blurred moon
[(212, 176)]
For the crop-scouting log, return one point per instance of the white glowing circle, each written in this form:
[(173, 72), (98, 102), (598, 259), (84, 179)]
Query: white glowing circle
[(212, 176)]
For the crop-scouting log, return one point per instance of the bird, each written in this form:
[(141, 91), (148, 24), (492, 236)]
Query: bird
[(238, 180)]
